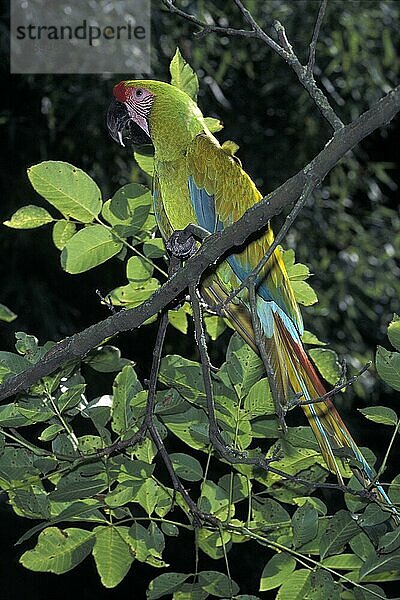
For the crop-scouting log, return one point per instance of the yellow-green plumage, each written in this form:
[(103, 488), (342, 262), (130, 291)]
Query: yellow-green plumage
[(196, 180)]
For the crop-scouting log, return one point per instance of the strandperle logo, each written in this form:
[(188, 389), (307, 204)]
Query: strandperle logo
[(61, 36), (91, 33)]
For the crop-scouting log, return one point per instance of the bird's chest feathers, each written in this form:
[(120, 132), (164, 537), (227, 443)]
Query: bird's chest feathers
[(174, 191)]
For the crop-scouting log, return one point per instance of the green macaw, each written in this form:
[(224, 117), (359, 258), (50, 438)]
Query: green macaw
[(198, 181)]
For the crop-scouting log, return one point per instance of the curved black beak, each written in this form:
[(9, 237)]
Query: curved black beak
[(120, 122)]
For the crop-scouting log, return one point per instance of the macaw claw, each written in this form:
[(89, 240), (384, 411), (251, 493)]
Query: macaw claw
[(181, 245)]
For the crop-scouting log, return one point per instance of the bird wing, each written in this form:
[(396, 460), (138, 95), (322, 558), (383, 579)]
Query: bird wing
[(221, 192)]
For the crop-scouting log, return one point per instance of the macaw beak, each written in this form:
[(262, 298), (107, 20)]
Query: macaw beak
[(120, 121)]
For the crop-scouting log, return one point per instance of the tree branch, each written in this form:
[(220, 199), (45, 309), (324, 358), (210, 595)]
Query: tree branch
[(314, 40), (284, 49), (213, 248)]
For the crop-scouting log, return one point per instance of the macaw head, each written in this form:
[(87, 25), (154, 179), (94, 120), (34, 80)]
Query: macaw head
[(153, 112), (129, 112)]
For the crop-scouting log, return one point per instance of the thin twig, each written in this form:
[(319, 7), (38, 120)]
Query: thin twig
[(340, 386), (214, 432), (283, 49), (314, 40), (302, 558), (148, 426)]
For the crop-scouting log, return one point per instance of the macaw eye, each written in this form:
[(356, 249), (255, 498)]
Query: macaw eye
[(138, 93)]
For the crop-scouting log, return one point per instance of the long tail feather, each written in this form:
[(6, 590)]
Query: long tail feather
[(294, 372), (337, 445)]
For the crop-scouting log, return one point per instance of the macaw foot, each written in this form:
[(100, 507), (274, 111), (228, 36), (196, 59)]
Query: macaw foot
[(181, 244)]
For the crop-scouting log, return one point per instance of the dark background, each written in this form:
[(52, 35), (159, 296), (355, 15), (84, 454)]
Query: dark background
[(349, 234)]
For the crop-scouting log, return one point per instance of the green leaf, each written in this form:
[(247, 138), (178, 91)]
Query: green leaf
[(380, 414), (165, 584), (58, 551), (191, 427), (71, 397), (361, 545), (341, 529), (184, 375), (170, 529), (145, 162), (297, 274), (310, 338), (304, 293), (319, 506), (301, 437), (183, 76), (368, 592), (269, 511), (236, 486), (63, 231), (147, 495), (215, 499), (375, 564), (16, 465), (390, 541), (126, 386), (388, 367), (214, 125), (29, 217), (327, 364), (67, 188), (132, 477), (214, 326), (154, 248), (394, 332), (218, 584), (12, 364), (28, 346), (191, 591), (6, 314), (106, 359), (323, 586), (88, 248), (394, 490), (212, 542), (343, 562), (129, 208), (294, 460), (30, 501), (112, 554), (296, 586), (276, 571), (73, 488), (305, 525), (178, 318), (87, 509), (243, 366), (138, 269), (187, 466), (259, 401), (147, 544), (50, 432), (132, 295)]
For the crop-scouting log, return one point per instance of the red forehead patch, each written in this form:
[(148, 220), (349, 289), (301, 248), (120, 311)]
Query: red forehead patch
[(121, 92)]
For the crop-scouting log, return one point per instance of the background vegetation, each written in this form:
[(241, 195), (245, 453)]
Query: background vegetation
[(349, 235)]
